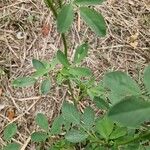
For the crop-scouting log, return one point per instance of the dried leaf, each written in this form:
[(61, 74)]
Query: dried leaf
[(0, 92), (2, 107), (45, 30), (133, 40), (134, 37), (10, 113), (134, 44)]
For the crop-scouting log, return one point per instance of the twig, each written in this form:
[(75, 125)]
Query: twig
[(23, 113), (15, 104), (27, 98), (26, 143)]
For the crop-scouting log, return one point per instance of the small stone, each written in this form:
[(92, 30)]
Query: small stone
[(20, 35)]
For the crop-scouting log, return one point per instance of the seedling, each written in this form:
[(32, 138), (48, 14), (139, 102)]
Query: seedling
[(125, 105), (9, 131)]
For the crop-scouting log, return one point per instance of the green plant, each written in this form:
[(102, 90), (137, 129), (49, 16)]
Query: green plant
[(9, 131), (125, 104)]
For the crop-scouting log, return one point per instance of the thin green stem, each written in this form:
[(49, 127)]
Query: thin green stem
[(135, 139), (82, 95), (64, 43), (91, 134), (53, 9), (51, 6), (60, 4), (66, 54)]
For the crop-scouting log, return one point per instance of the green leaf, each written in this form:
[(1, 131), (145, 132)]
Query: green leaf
[(39, 136), (146, 78), (94, 20), (45, 86), (42, 121), (57, 124), (70, 113), (88, 118), (132, 146), (12, 146), (48, 66), (67, 125), (65, 72), (24, 82), (147, 147), (121, 85), (81, 53), (101, 103), (96, 90), (60, 78), (37, 64), (40, 73), (105, 127), (65, 18), (118, 132), (80, 71), (88, 2), (61, 144), (53, 63), (76, 136), (62, 58), (131, 111), (10, 131)]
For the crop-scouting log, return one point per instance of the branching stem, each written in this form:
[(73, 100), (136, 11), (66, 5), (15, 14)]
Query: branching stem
[(53, 9)]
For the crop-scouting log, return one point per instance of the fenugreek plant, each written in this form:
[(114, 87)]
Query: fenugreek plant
[(10, 131), (125, 104)]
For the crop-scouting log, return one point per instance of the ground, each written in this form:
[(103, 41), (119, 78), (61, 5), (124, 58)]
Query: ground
[(28, 30)]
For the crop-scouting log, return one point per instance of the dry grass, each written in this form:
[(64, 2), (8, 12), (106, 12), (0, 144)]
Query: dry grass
[(126, 47)]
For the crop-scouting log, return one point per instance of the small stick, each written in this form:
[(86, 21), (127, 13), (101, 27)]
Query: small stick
[(27, 98), (26, 143), (79, 22)]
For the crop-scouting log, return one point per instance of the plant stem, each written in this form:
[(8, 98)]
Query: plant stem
[(53, 9), (51, 6), (71, 92), (60, 4), (64, 43), (135, 139), (63, 36)]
